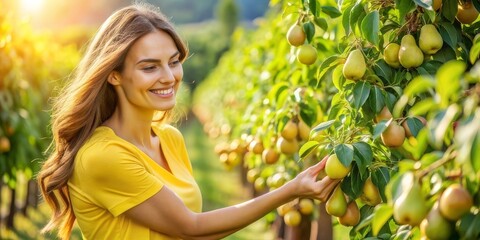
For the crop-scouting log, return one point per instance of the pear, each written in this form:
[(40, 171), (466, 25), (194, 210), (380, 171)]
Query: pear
[(410, 55), (410, 207), (355, 66), (336, 205), (430, 41), (455, 202), (370, 194), (435, 226), (390, 55), (295, 35), (351, 216), (335, 169), (436, 4)]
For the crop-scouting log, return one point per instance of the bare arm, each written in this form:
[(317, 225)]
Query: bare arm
[(166, 213)]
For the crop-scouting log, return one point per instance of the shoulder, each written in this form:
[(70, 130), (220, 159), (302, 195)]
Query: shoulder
[(102, 148), (168, 131)]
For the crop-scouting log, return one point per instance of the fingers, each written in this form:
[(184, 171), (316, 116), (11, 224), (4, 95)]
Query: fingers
[(315, 169), (326, 185)]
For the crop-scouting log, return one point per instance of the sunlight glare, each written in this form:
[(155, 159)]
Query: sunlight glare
[(31, 5)]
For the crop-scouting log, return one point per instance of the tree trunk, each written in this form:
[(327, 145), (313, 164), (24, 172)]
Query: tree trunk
[(11, 211), (300, 232), (324, 229)]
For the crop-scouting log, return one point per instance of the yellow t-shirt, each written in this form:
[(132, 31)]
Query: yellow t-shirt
[(112, 175)]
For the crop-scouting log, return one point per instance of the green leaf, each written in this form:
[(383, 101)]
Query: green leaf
[(313, 7), (346, 19), (370, 27), (380, 178), (376, 99), (382, 213), (404, 7), (333, 12), (475, 51), (361, 91), (309, 29), (469, 226), (449, 9), (380, 128), (383, 70), (448, 81), (475, 153), (344, 153), (322, 126), (355, 16), (415, 125), (449, 34), (363, 157), (423, 107), (277, 90), (321, 23), (308, 148), (418, 85)]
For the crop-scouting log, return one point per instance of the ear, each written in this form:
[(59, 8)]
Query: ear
[(114, 78)]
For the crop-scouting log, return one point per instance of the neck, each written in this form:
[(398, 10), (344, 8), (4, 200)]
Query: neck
[(133, 127)]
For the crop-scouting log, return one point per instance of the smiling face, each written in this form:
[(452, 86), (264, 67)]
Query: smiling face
[(151, 74)]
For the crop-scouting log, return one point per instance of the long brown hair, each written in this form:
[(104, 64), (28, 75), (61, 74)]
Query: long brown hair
[(88, 100)]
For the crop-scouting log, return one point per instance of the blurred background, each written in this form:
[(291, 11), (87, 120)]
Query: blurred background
[(41, 42)]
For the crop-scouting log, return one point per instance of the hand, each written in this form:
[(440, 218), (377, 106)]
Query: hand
[(307, 185)]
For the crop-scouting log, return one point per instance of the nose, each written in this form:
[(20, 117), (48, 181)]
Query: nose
[(166, 76)]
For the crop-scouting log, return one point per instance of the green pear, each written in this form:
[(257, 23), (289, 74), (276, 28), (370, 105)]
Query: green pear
[(435, 226), (410, 207), (335, 169), (336, 205), (410, 55), (430, 41), (355, 66), (390, 55)]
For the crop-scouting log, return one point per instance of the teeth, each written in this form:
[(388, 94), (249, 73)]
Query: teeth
[(162, 91)]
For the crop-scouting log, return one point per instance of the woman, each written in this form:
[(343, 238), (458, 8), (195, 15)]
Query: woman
[(119, 170)]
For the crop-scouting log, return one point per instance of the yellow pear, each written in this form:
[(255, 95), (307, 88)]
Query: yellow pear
[(290, 130), (336, 205), (307, 54), (390, 55), (355, 66), (430, 41), (370, 194), (436, 4), (410, 55), (335, 169)]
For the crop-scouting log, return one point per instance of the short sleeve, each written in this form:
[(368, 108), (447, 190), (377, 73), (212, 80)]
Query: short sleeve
[(116, 177)]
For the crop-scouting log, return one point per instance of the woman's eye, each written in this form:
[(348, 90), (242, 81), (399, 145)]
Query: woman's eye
[(149, 68), (174, 63)]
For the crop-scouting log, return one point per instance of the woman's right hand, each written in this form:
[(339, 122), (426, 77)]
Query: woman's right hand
[(307, 185)]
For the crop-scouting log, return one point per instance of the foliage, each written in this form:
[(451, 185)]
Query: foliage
[(260, 86), (31, 65)]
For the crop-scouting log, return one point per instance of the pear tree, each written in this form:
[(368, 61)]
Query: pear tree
[(393, 95)]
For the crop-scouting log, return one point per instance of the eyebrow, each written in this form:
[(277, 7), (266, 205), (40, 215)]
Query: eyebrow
[(154, 60)]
